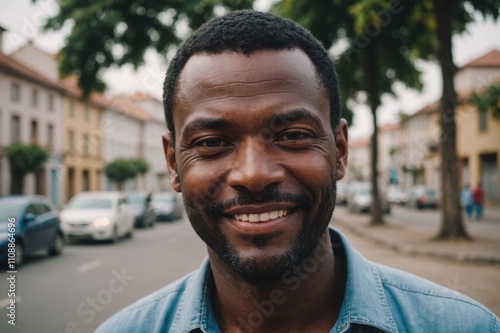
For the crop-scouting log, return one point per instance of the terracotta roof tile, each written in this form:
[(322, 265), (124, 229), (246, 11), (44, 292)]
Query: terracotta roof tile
[(490, 59)]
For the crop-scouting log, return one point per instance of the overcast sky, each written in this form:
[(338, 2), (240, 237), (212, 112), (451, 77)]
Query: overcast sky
[(23, 20)]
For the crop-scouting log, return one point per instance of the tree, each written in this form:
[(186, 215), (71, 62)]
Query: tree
[(120, 170), (374, 42), (140, 165), (451, 17), (24, 159), (488, 100), (106, 33)]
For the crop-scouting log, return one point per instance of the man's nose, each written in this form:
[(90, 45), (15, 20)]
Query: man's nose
[(255, 167)]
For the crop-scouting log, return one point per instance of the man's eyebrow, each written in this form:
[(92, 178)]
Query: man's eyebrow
[(280, 119), (204, 124)]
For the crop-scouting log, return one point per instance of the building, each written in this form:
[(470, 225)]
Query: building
[(358, 165), (478, 133), (30, 112), (157, 178), (83, 139)]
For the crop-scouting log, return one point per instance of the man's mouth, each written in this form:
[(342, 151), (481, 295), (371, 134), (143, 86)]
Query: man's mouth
[(262, 217)]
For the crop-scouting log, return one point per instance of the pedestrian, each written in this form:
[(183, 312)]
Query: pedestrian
[(478, 197), (467, 202), (256, 145)]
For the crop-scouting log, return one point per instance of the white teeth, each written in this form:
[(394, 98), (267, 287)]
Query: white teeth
[(261, 217)]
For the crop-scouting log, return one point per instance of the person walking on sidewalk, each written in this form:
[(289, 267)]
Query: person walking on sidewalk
[(467, 201), (478, 197)]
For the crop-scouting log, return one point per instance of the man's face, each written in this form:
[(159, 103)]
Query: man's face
[(255, 158)]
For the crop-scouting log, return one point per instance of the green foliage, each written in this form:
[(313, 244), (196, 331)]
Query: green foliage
[(490, 99), (26, 158), (122, 169), (106, 33), (141, 166)]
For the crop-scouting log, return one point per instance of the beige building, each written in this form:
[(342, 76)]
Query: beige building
[(478, 133), (358, 165), (83, 139)]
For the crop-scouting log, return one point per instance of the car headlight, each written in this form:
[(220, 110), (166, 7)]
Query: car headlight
[(3, 236), (101, 222)]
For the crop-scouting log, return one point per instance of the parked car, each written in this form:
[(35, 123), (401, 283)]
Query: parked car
[(166, 206), (143, 211), (341, 195), (397, 195), (361, 198), (36, 223), (422, 197), (97, 216)]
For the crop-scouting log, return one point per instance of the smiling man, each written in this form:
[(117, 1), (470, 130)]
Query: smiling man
[(256, 145)]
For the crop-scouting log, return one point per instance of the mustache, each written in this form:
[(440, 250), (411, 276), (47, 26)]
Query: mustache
[(215, 209)]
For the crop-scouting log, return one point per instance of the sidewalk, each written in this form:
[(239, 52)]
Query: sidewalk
[(418, 240)]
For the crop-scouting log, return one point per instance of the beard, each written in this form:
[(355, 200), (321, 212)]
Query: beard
[(249, 268)]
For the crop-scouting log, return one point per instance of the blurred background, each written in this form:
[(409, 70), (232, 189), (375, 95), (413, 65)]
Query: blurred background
[(82, 165)]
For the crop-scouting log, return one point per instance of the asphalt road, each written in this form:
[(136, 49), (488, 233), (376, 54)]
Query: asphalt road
[(89, 282)]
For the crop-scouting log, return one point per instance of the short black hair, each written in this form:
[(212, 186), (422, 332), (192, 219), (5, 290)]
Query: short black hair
[(246, 32)]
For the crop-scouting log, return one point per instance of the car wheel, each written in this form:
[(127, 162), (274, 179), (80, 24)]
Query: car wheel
[(114, 236), (130, 233), (19, 254), (57, 247)]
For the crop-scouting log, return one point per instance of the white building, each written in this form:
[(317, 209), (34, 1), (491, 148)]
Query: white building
[(124, 125), (157, 178), (30, 111)]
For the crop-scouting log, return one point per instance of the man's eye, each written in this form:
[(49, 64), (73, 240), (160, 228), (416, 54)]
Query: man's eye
[(293, 136), (211, 143)]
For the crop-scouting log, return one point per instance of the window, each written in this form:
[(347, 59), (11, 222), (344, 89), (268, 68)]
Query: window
[(42, 208), (71, 140), (34, 97), (15, 92), (483, 120), (85, 144), (16, 129), (85, 180), (86, 113), (50, 137), (51, 103), (34, 131), (71, 109)]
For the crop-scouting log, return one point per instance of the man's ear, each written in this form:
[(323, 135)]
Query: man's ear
[(168, 149), (341, 141)]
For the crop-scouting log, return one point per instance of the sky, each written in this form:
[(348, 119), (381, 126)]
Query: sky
[(24, 20)]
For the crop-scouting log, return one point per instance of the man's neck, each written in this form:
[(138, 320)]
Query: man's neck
[(308, 299)]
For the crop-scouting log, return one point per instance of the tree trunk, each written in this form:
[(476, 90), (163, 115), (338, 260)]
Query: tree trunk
[(452, 226), (371, 64)]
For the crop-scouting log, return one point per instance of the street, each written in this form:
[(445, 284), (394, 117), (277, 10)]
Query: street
[(90, 281)]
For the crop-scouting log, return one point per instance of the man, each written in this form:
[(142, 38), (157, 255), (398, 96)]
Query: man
[(256, 146), (478, 197)]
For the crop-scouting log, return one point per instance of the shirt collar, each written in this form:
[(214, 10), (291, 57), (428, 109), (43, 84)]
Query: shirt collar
[(364, 300)]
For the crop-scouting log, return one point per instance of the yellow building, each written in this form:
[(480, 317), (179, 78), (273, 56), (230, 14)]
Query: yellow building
[(478, 145), (478, 133), (83, 140)]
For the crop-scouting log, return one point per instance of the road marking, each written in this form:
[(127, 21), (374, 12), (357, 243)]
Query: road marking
[(88, 266), (6, 301)]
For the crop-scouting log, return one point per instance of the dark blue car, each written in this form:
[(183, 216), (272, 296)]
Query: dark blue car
[(33, 222)]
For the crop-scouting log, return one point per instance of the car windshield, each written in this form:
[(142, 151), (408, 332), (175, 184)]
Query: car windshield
[(136, 199), (98, 203), (10, 209), (365, 191)]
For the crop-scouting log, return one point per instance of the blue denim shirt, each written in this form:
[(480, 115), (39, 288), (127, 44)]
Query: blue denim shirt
[(377, 299)]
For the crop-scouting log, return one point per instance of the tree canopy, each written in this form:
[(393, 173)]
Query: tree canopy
[(122, 169), (26, 158), (106, 33)]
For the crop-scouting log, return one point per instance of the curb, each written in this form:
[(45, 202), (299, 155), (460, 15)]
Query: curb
[(414, 250)]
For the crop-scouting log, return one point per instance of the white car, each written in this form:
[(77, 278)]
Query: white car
[(97, 216)]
